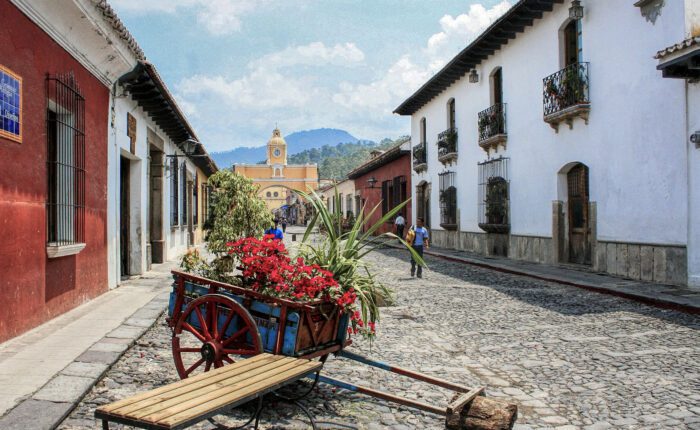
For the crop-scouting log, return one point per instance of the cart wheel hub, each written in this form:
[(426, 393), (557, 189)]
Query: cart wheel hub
[(209, 352)]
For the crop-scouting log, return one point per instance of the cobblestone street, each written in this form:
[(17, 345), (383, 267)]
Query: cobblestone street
[(569, 358)]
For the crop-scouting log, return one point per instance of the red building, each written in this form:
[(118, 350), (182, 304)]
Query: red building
[(384, 180), (53, 190)]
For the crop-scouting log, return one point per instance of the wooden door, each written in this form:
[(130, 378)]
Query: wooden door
[(579, 231), (124, 216)]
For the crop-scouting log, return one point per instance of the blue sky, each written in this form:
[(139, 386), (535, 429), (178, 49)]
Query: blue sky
[(237, 67)]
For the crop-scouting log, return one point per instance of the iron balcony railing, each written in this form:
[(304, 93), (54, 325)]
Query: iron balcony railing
[(566, 88), (492, 121), (447, 142), (419, 154)]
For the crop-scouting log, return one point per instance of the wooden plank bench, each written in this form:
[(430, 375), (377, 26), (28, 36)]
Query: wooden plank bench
[(187, 402)]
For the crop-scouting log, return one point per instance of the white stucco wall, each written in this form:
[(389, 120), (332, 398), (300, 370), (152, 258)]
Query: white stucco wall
[(120, 145), (693, 120), (633, 144)]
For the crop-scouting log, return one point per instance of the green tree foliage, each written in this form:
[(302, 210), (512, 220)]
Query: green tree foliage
[(236, 211), (335, 162)]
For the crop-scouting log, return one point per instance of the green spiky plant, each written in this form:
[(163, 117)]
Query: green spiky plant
[(341, 251)]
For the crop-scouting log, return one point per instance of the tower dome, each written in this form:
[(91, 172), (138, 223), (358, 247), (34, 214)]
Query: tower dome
[(276, 138)]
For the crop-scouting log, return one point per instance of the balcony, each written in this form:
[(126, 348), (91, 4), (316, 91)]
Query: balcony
[(566, 96), (492, 127), (420, 160), (447, 146)]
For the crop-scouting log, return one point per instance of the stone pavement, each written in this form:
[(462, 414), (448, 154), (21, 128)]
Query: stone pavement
[(669, 296), (570, 359), (46, 372)]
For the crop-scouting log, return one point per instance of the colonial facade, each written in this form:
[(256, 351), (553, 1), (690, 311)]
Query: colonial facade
[(348, 201), (74, 140), (276, 179), (552, 138), (384, 180)]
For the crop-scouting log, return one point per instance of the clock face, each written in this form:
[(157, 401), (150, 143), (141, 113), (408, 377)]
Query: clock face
[(277, 152)]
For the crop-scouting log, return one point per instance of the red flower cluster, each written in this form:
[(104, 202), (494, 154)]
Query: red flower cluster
[(267, 268)]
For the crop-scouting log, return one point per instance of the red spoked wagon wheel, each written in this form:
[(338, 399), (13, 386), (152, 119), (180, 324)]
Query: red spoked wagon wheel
[(211, 331)]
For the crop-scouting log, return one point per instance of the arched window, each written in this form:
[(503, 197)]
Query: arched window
[(451, 120), (571, 41), (497, 86), (422, 131)]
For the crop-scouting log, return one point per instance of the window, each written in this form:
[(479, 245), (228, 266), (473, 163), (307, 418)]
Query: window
[(497, 86), (422, 131), (174, 192), (205, 202), (572, 43), (494, 196), (340, 203), (448, 201), (269, 194), (65, 145), (386, 196), (195, 201), (348, 206), (183, 190), (276, 194), (451, 120)]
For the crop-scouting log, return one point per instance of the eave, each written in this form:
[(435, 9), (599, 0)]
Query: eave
[(514, 21)]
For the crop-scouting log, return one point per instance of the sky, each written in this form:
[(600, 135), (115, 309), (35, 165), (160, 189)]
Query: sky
[(239, 67)]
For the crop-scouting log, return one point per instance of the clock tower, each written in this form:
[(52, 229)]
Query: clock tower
[(276, 149)]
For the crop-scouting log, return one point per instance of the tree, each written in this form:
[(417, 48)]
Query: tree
[(236, 211)]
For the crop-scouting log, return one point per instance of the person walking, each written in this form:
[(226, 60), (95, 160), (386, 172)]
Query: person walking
[(284, 224), (275, 231), (400, 223), (419, 241)]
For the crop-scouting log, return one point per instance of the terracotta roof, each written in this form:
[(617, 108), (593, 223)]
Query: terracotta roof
[(505, 28), (110, 16), (380, 160), (687, 43)]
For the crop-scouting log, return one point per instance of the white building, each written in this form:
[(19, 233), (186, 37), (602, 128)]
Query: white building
[(156, 168), (554, 139)]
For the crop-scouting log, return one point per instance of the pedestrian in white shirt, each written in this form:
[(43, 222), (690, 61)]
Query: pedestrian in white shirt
[(400, 223)]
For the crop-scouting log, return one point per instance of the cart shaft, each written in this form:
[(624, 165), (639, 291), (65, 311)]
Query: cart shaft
[(401, 371), (383, 395)]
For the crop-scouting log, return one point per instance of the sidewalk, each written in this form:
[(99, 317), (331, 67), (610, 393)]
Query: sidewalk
[(45, 372), (665, 296)]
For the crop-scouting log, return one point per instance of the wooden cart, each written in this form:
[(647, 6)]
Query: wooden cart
[(215, 324)]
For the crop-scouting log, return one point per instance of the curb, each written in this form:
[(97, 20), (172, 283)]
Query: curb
[(653, 301), (49, 406)]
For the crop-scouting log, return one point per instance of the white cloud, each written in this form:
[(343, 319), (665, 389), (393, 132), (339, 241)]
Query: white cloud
[(313, 54), (292, 87), (457, 32), (219, 17)]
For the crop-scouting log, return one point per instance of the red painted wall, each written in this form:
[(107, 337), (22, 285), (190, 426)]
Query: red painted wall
[(33, 288), (373, 196)]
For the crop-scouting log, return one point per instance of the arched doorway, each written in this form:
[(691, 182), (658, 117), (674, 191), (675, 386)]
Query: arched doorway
[(423, 202), (578, 217)]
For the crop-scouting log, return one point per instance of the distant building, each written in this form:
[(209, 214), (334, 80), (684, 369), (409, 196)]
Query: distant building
[(552, 138), (348, 202), (277, 179), (384, 180)]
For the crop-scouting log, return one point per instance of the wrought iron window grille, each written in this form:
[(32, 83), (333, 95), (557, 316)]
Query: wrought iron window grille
[(174, 191), (65, 131), (420, 159), (494, 196), (448, 200)]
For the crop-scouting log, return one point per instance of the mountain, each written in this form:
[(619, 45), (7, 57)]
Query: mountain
[(296, 142), (336, 161)]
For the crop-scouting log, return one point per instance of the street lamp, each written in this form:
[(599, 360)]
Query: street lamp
[(473, 76), (576, 10), (371, 181)]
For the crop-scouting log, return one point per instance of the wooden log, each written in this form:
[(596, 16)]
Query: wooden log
[(481, 413)]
